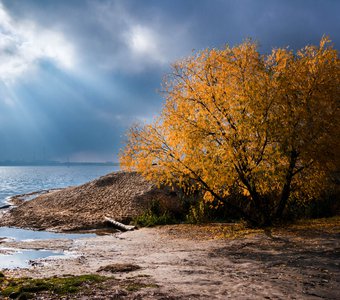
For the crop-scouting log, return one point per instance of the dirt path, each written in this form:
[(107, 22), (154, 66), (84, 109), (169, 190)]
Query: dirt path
[(279, 266)]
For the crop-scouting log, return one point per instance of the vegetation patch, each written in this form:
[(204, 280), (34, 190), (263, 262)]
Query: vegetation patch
[(2, 277), (155, 215), (241, 230), (149, 219), (18, 288), (73, 287)]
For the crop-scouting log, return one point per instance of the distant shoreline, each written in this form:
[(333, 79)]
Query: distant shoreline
[(53, 163)]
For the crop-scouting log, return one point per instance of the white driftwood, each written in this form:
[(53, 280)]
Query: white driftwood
[(119, 225)]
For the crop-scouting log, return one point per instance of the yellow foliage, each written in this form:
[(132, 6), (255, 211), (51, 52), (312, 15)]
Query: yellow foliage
[(267, 125), (208, 197)]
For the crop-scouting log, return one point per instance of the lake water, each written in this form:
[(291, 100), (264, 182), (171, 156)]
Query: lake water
[(23, 234), (19, 180), (22, 258)]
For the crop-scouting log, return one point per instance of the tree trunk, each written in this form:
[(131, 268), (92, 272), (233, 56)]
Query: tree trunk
[(260, 217), (287, 186)]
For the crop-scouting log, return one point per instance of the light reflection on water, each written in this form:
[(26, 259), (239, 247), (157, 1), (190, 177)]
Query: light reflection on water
[(20, 259)]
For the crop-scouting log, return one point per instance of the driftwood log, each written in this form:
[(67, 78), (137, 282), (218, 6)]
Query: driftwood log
[(119, 225), (5, 206)]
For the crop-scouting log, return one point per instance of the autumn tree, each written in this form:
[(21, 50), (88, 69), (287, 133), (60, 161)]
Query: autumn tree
[(239, 122)]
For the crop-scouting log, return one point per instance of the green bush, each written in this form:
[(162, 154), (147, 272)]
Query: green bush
[(149, 219), (328, 205), (2, 276), (197, 213), (154, 216)]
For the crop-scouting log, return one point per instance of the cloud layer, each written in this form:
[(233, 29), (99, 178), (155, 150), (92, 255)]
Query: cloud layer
[(24, 44), (75, 74)]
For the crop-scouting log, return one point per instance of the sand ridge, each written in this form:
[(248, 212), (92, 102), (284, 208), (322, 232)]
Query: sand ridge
[(119, 195)]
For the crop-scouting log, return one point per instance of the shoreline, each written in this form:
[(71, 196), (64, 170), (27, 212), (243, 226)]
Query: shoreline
[(18, 199), (15, 200)]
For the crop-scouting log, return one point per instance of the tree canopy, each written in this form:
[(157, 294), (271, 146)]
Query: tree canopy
[(235, 121)]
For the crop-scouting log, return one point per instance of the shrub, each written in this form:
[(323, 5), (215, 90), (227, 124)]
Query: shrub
[(154, 216)]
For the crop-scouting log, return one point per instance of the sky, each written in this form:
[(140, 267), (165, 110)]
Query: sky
[(76, 74)]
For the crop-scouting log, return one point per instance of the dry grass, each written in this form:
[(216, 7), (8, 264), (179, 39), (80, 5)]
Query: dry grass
[(240, 230), (210, 231)]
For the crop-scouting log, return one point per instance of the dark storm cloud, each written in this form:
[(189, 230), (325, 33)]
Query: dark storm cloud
[(98, 26), (77, 100)]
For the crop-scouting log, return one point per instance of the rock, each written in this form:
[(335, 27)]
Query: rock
[(119, 268), (5, 206)]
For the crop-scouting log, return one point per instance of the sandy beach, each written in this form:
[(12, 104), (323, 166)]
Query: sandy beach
[(188, 262)]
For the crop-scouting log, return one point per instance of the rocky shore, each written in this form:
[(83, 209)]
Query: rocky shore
[(120, 196)]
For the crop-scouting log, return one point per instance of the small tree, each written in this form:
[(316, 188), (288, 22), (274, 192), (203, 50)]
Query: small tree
[(266, 126)]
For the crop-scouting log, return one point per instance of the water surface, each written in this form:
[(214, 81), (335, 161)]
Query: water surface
[(19, 180), (22, 258), (24, 234)]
